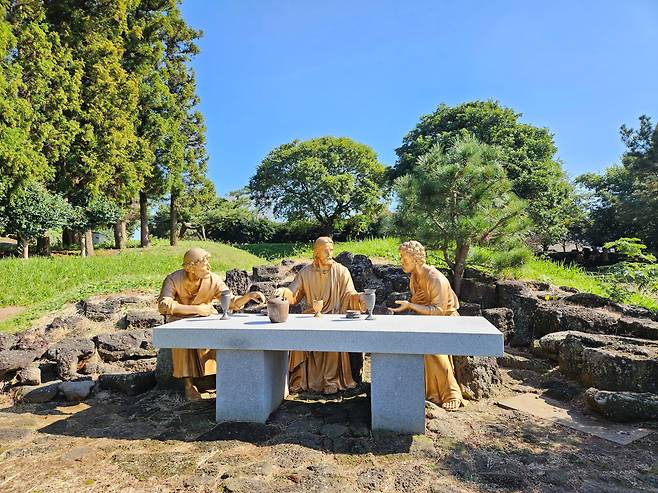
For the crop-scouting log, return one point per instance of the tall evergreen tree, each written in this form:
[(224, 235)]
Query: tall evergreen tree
[(183, 158), (20, 158), (105, 157)]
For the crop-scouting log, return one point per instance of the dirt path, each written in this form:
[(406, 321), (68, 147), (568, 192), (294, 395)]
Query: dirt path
[(158, 442), (8, 312)]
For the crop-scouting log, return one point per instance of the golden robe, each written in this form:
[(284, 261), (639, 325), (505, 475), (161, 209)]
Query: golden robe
[(433, 290), (190, 362), (325, 372)]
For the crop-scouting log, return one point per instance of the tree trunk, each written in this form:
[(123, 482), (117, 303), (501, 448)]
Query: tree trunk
[(43, 244), (24, 246), (460, 264), (89, 242), (203, 232), (83, 246), (120, 240), (173, 220), (68, 238), (144, 240)]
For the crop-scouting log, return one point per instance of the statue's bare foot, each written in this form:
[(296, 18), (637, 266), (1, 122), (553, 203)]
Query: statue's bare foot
[(192, 393), (452, 405)]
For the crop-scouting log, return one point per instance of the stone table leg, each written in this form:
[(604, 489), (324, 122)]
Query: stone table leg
[(250, 384), (397, 392)]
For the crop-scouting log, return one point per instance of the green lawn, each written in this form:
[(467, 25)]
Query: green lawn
[(45, 284), (381, 248)]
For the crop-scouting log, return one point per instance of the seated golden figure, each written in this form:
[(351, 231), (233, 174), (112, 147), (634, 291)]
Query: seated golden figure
[(331, 282), (189, 292), (431, 294)]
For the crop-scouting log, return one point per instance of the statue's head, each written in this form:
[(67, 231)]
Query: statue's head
[(412, 254), (196, 262), (323, 250)]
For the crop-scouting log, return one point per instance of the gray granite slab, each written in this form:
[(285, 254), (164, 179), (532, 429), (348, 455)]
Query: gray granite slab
[(472, 336)]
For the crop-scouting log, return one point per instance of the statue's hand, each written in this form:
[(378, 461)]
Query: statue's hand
[(404, 305), (282, 293), (257, 296), (205, 309)]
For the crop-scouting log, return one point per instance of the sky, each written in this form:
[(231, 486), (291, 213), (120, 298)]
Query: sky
[(270, 72)]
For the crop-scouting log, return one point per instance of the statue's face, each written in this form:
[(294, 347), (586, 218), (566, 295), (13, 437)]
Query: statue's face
[(408, 262), (200, 268), (324, 252)]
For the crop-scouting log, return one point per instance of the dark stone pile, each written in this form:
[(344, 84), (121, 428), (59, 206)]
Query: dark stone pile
[(107, 343), (609, 347)]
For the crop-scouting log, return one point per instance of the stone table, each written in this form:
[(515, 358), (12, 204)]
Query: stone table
[(252, 357)]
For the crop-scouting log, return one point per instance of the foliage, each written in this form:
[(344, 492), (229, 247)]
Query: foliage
[(631, 249), (526, 153), (327, 179), (47, 284), (96, 213), (233, 221), (98, 100), (33, 211), (637, 272), (19, 155), (458, 198), (624, 199)]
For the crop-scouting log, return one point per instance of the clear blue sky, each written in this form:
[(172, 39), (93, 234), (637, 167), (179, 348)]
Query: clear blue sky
[(273, 71)]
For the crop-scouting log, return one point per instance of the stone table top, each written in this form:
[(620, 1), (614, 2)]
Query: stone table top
[(402, 334)]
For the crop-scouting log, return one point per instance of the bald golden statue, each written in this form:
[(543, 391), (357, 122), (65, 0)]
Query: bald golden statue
[(331, 282), (189, 292), (431, 294)]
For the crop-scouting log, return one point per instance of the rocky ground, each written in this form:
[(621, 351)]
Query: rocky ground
[(159, 442), (80, 409)]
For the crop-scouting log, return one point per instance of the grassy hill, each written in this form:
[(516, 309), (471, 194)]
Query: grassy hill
[(45, 284)]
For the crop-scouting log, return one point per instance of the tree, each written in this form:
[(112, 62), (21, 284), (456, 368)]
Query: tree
[(183, 157), (327, 179), (104, 159), (32, 211), (144, 58), (624, 198), (20, 160), (458, 197), (526, 153), (97, 212)]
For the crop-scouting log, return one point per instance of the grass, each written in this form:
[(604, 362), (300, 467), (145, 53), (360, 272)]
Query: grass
[(45, 284), (380, 248), (561, 274)]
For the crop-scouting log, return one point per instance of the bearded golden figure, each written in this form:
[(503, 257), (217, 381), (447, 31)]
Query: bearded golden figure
[(189, 292), (431, 294), (331, 282)]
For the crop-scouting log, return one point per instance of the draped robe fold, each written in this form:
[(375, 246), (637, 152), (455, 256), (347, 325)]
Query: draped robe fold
[(324, 372), (190, 362), (433, 290)]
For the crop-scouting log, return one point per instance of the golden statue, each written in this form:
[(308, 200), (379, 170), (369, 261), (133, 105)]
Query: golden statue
[(431, 294), (330, 282), (189, 292)]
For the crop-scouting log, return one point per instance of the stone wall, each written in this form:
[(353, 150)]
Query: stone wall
[(103, 341)]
